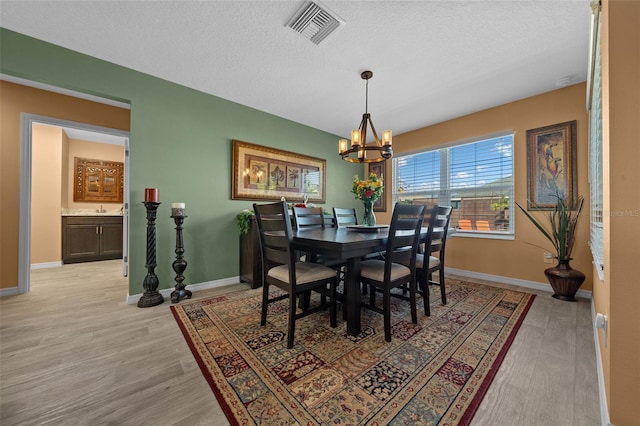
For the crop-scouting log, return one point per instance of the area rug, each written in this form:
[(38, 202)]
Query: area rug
[(431, 373)]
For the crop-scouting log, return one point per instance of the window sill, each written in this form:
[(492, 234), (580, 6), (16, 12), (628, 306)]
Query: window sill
[(484, 235)]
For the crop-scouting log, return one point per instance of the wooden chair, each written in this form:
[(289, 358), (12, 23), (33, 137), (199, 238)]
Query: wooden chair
[(285, 271), (483, 225), (345, 217), (308, 217), (384, 275), (465, 225), (432, 258)]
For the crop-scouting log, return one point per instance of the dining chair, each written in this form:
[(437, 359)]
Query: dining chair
[(431, 259), (283, 270), (345, 217), (384, 275), (308, 217)]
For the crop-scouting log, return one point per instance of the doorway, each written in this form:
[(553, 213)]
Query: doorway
[(97, 134)]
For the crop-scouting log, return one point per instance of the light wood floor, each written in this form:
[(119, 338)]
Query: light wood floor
[(73, 353)]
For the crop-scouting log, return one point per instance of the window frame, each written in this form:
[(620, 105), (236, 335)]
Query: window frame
[(453, 198)]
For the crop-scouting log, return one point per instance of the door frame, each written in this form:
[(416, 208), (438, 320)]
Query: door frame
[(26, 154)]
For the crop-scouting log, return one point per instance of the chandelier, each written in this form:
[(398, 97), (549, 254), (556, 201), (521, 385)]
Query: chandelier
[(361, 150)]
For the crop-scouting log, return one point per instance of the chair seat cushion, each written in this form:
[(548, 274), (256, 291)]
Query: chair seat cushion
[(433, 261), (306, 272), (374, 270)]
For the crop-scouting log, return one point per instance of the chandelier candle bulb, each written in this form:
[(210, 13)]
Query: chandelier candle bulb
[(386, 137), (342, 145), (355, 138), (177, 209), (151, 195)]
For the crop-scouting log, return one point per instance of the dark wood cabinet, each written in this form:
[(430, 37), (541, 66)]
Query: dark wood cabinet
[(98, 180), (89, 238), (251, 257)]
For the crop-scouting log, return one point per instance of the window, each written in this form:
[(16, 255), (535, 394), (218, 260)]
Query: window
[(474, 177), (594, 105)]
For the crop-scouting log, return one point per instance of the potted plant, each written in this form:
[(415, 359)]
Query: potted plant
[(243, 221), (501, 206), (560, 230)]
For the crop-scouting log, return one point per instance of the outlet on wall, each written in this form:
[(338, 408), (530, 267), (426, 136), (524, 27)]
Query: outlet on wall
[(548, 257)]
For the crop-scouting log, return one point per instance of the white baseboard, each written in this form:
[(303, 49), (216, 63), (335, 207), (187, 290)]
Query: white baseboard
[(133, 299), (604, 408), (11, 291), (514, 281), (46, 265)]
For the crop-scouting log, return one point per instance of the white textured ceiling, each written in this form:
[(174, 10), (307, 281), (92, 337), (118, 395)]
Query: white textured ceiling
[(432, 60)]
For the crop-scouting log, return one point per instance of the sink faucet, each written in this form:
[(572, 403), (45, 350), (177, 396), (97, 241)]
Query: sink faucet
[(101, 210)]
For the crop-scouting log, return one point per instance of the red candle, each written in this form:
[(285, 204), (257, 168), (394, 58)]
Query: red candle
[(151, 195)]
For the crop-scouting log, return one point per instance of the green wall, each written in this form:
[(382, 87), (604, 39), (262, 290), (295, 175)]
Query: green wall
[(181, 144)]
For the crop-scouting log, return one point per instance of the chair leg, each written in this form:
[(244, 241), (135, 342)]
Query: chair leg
[(386, 307), (443, 292), (424, 286), (412, 300), (305, 300), (332, 309), (372, 295), (265, 303), (292, 320)]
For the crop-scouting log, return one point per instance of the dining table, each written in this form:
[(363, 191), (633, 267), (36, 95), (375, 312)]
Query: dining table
[(349, 245)]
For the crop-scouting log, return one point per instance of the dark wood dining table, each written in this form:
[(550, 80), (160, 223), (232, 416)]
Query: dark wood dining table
[(347, 245)]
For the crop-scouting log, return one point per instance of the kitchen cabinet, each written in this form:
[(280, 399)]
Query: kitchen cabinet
[(89, 238)]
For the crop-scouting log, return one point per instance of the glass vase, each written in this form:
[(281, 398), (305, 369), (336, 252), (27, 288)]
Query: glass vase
[(368, 219)]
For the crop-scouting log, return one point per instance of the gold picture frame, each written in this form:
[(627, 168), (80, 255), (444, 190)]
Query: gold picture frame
[(379, 169), (264, 173), (551, 165)]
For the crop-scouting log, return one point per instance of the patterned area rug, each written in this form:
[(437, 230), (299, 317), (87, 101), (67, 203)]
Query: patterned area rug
[(432, 373)]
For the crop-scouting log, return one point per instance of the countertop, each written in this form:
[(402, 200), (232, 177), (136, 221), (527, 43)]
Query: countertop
[(90, 212)]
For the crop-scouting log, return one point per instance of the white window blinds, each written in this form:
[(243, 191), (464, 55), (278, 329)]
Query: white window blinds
[(594, 105), (474, 177)]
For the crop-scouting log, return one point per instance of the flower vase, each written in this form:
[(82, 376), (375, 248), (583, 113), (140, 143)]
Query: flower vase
[(564, 280), (368, 219)]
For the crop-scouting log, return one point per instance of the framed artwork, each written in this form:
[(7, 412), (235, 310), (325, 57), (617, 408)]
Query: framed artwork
[(551, 165), (264, 173), (98, 180), (379, 169)]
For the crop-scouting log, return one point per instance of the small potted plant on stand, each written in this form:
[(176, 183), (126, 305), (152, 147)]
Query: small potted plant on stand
[(243, 221), (561, 232), (501, 206)]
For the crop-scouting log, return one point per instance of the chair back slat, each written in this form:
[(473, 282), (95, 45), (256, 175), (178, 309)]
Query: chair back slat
[(345, 217), (308, 217)]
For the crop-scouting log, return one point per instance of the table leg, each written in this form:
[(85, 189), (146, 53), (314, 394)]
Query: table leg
[(352, 296)]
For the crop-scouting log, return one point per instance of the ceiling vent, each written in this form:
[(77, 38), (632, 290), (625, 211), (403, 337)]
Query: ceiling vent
[(314, 21)]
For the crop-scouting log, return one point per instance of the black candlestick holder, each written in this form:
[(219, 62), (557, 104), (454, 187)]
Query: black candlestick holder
[(179, 265), (151, 295)]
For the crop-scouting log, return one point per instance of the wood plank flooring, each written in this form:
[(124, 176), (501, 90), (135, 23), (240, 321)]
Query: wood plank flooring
[(72, 352)]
